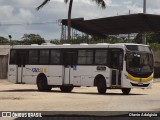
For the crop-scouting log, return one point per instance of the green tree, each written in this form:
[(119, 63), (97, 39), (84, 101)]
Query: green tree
[(16, 42), (151, 37), (55, 41), (3, 40), (32, 39), (100, 3), (138, 38)]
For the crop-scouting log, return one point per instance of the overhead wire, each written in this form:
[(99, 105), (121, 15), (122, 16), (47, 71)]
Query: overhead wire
[(29, 23)]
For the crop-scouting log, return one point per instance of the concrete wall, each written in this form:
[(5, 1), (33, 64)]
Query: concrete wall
[(156, 55), (4, 53), (3, 66)]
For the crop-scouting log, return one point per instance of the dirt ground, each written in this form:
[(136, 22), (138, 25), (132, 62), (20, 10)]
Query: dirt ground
[(25, 97)]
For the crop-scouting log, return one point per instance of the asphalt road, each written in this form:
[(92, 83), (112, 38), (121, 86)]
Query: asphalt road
[(24, 97)]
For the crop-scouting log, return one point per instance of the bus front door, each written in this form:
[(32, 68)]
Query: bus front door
[(116, 67), (69, 62), (21, 62)]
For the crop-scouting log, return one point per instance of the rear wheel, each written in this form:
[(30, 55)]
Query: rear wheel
[(101, 86), (66, 88), (42, 84), (126, 91)]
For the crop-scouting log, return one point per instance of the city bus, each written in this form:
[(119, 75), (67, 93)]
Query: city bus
[(106, 66)]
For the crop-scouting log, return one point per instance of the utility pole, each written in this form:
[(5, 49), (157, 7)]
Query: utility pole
[(128, 33), (144, 11), (144, 6)]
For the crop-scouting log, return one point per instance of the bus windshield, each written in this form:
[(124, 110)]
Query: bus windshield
[(138, 48), (139, 62)]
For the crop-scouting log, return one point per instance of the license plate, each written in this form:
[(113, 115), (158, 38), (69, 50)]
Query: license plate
[(140, 83)]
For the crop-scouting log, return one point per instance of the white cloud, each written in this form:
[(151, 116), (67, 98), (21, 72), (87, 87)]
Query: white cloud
[(24, 3), (155, 3), (153, 11), (134, 8), (127, 2), (6, 11), (90, 2), (25, 15)]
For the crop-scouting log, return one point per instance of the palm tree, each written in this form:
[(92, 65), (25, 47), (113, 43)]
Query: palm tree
[(100, 3)]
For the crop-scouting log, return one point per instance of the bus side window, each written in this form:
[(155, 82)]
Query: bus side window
[(33, 57), (85, 57), (44, 57), (101, 57), (55, 57)]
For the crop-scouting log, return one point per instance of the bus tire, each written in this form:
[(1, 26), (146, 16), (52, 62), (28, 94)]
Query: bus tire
[(101, 86), (126, 91), (66, 88), (42, 84)]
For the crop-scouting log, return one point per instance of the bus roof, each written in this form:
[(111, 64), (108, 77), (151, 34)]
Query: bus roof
[(131, 44), (82, 45)]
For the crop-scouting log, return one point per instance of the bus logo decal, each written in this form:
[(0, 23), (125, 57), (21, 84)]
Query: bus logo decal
[(39, 70)]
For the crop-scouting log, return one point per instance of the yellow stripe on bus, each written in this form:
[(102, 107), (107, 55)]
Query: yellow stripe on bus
[(140, 79)]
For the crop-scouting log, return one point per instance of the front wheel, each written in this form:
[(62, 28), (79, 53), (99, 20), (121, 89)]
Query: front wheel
[(66, 88), (126, 91)]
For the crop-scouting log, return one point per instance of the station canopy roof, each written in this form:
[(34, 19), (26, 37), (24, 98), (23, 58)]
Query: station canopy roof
[(124, 24)]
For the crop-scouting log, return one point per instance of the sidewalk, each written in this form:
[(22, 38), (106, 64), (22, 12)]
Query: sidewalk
[(156, 80)]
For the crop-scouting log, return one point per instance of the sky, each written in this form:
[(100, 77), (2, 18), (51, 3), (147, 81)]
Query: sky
[(17, 16)]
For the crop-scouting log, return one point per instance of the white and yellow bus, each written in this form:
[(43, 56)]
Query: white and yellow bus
[(106, 66)]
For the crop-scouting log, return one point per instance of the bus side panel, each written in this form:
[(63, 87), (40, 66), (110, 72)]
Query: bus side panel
[(85, 75), (87, 79), (81, 76), (55, 74), (105, 73), (32, 71), (12, 73), (75, 76)]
